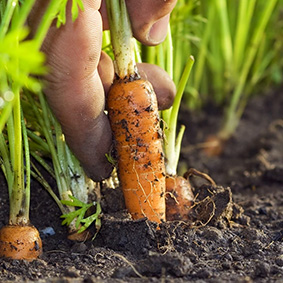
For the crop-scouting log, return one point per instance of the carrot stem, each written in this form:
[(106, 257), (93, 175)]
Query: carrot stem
[(172, 146), (6, 165), (22, 14), (27, 169), (46, 21), (122, 39), (232, 116), (5, 23)]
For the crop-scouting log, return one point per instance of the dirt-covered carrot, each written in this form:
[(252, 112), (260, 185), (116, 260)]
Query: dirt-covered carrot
[(133, 114), (19, 239), (20, 242), (179, 198), (179, 195)]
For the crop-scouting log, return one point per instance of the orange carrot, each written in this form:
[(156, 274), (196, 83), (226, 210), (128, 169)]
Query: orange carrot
[(179, 198), (79, 237), (214, 145), (20, 242), (134, 119), (179, 195)]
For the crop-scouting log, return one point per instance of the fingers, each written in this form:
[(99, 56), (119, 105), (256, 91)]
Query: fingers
[(74, 89), (163, 85), (149, 19), (106, 71)]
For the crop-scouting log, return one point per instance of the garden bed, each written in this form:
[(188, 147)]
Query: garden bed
[(244, 250)]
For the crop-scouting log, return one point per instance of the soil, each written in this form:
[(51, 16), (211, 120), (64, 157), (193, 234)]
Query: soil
[(239, 238)]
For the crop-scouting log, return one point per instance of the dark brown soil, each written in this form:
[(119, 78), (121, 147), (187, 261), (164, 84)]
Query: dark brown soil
[(247, 247)]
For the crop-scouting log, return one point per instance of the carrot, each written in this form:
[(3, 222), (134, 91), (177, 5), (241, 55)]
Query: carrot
[(20, 242), (214, 145), (19, 239), (179, 195), (134, 119), (179, 198)]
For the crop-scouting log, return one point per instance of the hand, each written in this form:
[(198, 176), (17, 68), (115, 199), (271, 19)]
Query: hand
[(80, 74)]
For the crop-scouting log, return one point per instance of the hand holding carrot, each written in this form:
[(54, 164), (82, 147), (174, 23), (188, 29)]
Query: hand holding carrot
[(80, 74)]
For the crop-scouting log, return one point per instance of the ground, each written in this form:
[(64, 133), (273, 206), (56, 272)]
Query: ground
[(244, 248)]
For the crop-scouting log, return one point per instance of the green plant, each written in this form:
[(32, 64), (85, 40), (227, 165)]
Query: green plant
[(74, 187), (249, 59), (20, 60), (238, 58), (14, 149), (162, 55)]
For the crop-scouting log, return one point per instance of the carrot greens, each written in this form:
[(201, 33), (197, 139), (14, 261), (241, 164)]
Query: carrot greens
[(20, 61), (233, 61), (162, 55), (73, 185)]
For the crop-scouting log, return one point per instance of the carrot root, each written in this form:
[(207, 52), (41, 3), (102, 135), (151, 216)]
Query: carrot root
[(135, 123), (214, 146), (179, 198), (20, 242)]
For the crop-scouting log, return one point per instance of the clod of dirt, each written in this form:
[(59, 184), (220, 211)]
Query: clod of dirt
[(136, 237), (214, 205), (274, 174), (112, 200), (157, 265)]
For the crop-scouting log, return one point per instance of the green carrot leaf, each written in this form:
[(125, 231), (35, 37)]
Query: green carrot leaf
[(20, 58), (90, 219), (79, 213)]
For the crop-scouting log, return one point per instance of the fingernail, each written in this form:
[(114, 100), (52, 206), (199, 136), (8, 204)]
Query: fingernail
[(158, 31)]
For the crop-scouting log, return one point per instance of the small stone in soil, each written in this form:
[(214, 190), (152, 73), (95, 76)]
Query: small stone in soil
[(79, 247), (71, 273), (279, 260), (212, 233), (174, 264), (226, 265), (203, 274), (262, 269), (48, 231)]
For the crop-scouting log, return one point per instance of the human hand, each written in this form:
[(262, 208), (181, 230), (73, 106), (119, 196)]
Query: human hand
[(80, 74)]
